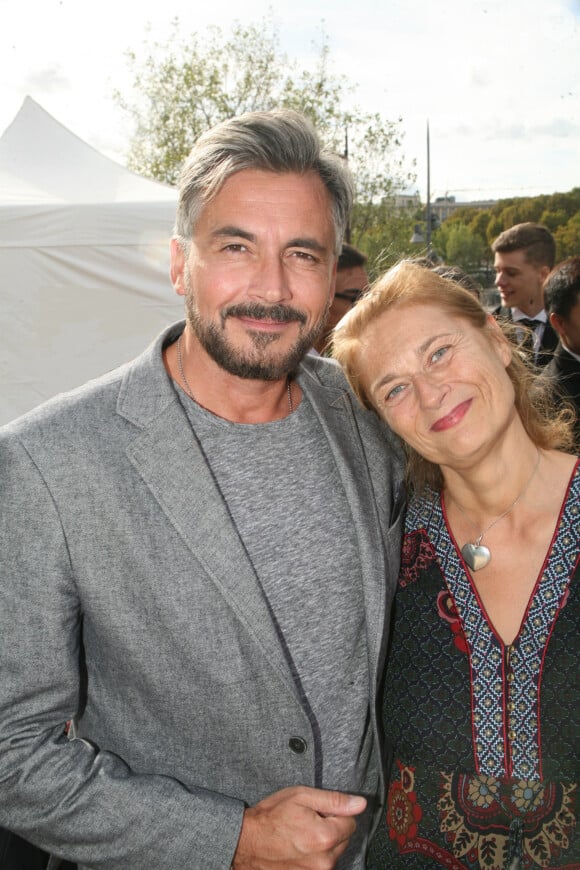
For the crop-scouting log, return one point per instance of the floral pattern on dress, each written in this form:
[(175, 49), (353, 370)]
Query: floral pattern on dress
[(491, 822), (403, 811), (447, 610), (416, 555)]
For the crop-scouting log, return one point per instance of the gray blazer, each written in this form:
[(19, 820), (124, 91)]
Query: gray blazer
[(128, 604)]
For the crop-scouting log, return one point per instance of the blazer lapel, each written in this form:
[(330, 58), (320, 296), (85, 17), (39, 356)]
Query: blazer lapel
[(334, 410), (169, 459)]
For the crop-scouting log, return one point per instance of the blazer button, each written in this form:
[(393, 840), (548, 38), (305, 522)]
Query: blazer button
[(297, 745)]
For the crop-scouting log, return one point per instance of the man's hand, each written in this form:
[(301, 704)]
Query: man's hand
[(297, 827)]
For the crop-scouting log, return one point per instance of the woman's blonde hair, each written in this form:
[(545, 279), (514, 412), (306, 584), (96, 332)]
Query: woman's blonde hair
[(408, 284)]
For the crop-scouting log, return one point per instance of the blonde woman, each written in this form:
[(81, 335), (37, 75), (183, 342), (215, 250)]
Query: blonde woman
[(480, 695)]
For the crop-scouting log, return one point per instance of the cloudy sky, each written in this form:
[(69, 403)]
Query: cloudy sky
[(498, 80)]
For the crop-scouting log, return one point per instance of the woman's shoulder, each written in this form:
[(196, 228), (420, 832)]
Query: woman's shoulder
[(560, 476)]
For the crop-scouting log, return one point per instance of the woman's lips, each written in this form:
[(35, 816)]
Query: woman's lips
[(451, 419)]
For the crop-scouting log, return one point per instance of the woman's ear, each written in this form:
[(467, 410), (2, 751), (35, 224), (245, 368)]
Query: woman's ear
[(499, 340)]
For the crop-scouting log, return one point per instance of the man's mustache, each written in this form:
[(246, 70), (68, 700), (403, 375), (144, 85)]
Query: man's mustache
[(254, 310)]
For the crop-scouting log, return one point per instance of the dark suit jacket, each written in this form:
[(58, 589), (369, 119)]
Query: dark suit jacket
[(564, 369), (549, 341)]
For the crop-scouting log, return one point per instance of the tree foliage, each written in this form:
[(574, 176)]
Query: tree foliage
[(560, 212), (555, 210), (190, 83), (568, 237), (464, 247)]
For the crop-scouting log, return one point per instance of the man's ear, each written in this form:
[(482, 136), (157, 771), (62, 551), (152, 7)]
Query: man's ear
[(558, 323), (544, 271), (177, 267)]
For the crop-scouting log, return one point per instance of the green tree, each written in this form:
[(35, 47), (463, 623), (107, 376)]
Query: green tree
[(494, 228), (560, 212), (553, 219), (190, 83), (464, 248), (568, 238), (389, 237), (565, 203), (479, 225)]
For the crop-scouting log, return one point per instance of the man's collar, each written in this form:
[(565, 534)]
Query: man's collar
[(576, 356), (518, 314)]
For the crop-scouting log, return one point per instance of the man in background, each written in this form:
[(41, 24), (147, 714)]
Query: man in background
[(351, 280), (562, 290), (523, 256)]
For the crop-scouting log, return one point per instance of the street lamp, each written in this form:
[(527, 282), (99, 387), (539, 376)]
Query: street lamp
[(418, 238), (345, 156), (428, 233)]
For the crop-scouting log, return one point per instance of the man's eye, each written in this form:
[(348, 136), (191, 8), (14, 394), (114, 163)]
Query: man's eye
[(235, 246)]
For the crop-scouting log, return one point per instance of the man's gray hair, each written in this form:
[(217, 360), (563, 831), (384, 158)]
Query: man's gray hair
[(278, 141)]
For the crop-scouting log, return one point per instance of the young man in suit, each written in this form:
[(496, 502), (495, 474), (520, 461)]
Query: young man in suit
[(199, 552), (523, 257), (562, 290)]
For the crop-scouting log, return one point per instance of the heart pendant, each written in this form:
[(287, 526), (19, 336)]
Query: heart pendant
[(475, 556)]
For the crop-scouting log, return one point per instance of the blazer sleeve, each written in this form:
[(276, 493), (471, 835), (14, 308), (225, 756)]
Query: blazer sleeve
[(66, 795)]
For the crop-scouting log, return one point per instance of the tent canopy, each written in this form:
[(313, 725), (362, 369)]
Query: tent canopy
[(84, 261), (43, 162)]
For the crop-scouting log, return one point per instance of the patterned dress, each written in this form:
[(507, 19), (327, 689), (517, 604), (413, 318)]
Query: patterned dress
[(483, 736)]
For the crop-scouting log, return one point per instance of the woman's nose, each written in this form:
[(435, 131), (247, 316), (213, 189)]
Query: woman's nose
[(430, 391)]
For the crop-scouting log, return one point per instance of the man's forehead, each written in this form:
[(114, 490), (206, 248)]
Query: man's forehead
[(511, 259), (293, 193), (257, 204)]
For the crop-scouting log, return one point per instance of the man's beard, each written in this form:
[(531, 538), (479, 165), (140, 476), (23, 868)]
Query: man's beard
[(253, 363)]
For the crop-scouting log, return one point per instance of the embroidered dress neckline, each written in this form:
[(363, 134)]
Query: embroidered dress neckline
[(541, 574), (491, 675)]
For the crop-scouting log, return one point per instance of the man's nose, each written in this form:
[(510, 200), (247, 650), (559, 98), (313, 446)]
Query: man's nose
[(499, 279), (270, 280)]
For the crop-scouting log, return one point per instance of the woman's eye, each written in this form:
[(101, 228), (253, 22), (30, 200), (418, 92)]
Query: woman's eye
[(441, 351), (394, 392)]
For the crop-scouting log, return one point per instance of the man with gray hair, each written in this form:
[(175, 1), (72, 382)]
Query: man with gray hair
[(199, 552)]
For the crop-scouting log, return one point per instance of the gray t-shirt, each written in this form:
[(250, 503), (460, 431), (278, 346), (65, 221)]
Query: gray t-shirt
[(287, 501)]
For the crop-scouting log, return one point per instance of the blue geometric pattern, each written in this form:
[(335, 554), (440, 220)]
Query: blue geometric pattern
[(505, 680)]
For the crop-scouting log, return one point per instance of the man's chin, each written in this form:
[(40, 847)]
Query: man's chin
[(255, 355), (264, 364)]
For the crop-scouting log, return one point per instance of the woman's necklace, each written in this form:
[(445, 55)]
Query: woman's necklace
[(475, 555)]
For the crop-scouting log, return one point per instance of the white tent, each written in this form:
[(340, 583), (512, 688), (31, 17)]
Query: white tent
[(84, 261)]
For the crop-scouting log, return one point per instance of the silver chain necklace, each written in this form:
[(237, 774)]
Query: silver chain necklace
[(475, 555), (189, 391)]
